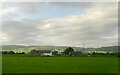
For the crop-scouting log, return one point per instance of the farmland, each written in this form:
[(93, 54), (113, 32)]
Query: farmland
[(63, 64)]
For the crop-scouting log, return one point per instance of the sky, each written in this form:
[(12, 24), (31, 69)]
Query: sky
[(60, 23)]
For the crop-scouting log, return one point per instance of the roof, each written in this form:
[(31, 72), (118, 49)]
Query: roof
[(44, 51), (75, 51)]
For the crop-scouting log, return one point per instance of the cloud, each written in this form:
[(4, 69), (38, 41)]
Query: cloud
[(95, 27)]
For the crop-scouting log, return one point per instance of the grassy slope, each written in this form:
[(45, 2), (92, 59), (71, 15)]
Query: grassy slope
[(25, 64)]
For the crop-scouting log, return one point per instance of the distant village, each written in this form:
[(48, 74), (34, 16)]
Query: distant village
[(67, 52)]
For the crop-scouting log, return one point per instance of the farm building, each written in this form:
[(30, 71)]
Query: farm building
[(33, 52), (75, 53), (41, 52)]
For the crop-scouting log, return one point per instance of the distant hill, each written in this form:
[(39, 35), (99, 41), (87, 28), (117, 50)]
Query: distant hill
[(28, 48), (109, 48), (10, 47), (19, 47)]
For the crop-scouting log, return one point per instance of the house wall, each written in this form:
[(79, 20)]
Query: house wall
[(75, 53), (50, 54)]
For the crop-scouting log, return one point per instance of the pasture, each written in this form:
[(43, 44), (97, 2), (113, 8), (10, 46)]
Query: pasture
[(63, 64)]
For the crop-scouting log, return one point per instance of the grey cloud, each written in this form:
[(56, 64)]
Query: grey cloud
[(25, 7), (73, 5), (90, 27)]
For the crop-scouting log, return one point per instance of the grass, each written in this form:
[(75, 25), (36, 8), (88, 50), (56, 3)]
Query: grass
[(38, 64)]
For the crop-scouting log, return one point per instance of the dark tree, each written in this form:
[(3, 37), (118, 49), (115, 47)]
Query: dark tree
[(88, 53), (55, 52), (93, 53), (67, 50), (118, 54), (11, 52), (62, 53), (20, 53), (23, 53), (108, 53), (4, 52)]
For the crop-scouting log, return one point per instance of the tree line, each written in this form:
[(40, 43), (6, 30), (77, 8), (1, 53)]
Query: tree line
[(66, 52), (12, 52)]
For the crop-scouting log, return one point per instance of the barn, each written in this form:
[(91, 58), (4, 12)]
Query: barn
[(41, 53), (75, 53)]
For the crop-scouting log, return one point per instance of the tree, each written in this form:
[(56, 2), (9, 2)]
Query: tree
[(108, 53), (11, 52), (4, 52), (55, 52), (23, 53), (69, 49), (93, 53)]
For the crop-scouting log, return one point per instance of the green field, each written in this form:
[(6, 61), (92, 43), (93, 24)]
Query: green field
[(27, 64)]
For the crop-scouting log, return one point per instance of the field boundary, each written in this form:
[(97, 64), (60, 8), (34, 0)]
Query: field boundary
[(60, 74)]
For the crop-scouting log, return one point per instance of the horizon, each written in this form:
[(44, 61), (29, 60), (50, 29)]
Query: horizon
[(62, 46)]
